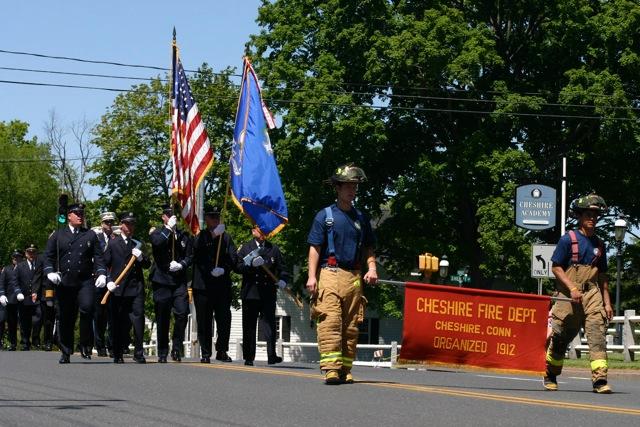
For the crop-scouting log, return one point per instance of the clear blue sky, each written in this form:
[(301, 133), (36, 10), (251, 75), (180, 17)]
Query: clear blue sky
[(132, 32)]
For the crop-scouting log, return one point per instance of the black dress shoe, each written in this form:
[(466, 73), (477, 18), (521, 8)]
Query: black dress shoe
[(175, 356), (205, 360), (274, 360), (47, 347), (85, 352), (64, 358), (118, 359), (162, 359), (109, 353), (126, 350), (11, 348), (25, 348), (223, 356), (248, 362), (139, 359), (102, 352)]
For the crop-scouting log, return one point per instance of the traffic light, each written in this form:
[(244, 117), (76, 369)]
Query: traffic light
[(427, 263), (63, 201)]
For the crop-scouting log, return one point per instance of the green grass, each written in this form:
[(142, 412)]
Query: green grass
[(616, 361)]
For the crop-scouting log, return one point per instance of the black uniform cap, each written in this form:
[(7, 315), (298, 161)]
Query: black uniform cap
[(77, 208), (31, 248), (127, 217), (212, 211), (17, 253), (167, 210)]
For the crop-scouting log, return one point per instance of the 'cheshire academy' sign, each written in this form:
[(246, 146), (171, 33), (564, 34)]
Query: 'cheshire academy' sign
[(535, 207)]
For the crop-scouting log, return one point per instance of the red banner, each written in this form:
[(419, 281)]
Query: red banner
[(501, 331)]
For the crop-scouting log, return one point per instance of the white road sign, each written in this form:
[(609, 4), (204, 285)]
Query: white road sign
[(541, 261)]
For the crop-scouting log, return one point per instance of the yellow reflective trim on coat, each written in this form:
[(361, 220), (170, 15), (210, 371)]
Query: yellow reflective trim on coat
[(599, 363), (554, 362)]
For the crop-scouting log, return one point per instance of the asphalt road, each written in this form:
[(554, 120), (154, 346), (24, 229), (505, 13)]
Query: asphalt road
[(35, 390)]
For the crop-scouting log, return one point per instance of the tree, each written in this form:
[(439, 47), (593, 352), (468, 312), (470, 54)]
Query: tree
[(73, 158), (448, 106), (29, 191)]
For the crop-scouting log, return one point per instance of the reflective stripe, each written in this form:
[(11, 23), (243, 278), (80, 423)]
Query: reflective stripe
[(554, 362), (599, 363), (331, 357), (347, 362)]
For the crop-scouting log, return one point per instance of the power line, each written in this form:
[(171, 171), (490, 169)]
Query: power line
[(361, 84), (333, 104), (392, 96)]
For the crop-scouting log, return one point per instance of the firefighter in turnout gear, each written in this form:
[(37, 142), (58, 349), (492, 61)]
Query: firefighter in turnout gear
[(580, 266), (341, 248)]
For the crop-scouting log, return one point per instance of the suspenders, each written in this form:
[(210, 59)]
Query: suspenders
[(575, 252), (332, 261)]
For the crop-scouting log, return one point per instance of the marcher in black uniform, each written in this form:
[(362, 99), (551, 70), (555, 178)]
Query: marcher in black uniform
[(29, 309), (127, 302), (172, 256), (101, 320), (72, 257), (212, 285), (13, 296), (259, 292)]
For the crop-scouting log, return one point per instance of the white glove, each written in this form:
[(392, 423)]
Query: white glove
[(257, 261), (54, 278), (3, 300), (172, 222), (111, 286), (217, 272), (218, 230), (101, 281), (136, 253), (175, 266), (20, 297), (281, 284)]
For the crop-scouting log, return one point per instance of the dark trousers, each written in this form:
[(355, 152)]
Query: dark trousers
[(11, 315), (70, 301), (29, 316), (48, 311), (124, 313), (266, 311), (167, 299), (100, 322), (208, 302), (36, 324), (3, 321)]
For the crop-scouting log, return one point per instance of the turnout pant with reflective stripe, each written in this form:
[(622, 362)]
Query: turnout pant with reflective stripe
[(339, 310), (568, 318)]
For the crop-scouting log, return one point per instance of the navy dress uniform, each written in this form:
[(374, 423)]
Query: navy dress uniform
[(30, 286), (212, 285), (9, 289), (259, 294), (127, 302), (172, 256), (72, 256), (47, 310), (102, 336)]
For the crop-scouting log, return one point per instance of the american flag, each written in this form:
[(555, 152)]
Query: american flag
[(191, 152)]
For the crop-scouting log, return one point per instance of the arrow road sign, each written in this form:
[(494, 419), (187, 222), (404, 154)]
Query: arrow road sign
[(541, 261)]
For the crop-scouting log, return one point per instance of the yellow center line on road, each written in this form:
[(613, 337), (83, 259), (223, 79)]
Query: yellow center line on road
[(595, 407)]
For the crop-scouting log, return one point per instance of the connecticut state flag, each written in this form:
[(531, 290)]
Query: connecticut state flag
[(255, 183)]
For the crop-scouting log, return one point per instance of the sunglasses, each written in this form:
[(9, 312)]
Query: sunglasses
[(110, 222)]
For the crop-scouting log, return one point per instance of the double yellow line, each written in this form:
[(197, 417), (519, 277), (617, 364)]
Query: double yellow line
[(593, 407)]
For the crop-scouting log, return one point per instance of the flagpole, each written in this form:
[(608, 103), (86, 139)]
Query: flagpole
[(174, 61), (226, 192)]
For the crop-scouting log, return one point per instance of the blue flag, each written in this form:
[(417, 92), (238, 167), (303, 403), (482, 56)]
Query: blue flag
[(255, 183)]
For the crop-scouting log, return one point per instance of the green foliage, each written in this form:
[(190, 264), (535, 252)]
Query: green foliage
[(28, 194)]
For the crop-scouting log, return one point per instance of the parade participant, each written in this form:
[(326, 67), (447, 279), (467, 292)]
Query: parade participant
[(212, 285), (172, 256), (12, 298), (30, 286), (259, 292), (101, 321), (341, 244), (126, 305), (580, 266), (72, 257), (48, 310)]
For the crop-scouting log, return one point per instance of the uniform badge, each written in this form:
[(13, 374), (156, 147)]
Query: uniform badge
[(89, 243), (596, 251), (183, 243), (357, 224)]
